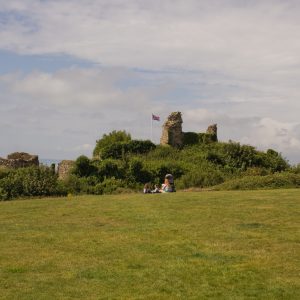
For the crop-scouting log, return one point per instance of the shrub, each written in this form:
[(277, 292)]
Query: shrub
[(274, 161), (277, 180), (118, 150), (200, 178), (111, 168), (190, 138), (110, 139), (108, 186), (295, 169), (31, 181), (137, 172), (84, 167), (4, 172), (206, 138), (79, 185), (163, 152), (3, 194)]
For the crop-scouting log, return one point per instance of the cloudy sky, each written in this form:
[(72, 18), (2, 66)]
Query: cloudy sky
[(71, 71)]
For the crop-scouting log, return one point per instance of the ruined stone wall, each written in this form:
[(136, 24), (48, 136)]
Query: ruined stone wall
[(64, 168), (212, 129), (172, 131), (19, 160)]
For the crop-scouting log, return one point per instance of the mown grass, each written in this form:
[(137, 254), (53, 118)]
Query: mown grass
[(209, 245)]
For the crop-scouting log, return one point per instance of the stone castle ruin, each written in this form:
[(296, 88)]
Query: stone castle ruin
[(212, 129), (64, 168), (22, 160), (172, 130), (173, 135), (19, 160)]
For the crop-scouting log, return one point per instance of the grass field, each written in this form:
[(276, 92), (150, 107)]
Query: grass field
[(208, 245)]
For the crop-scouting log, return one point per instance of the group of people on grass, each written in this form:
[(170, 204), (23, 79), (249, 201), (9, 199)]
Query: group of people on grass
[(167, 187)]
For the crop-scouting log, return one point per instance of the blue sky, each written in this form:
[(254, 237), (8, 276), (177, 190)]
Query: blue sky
[(71, 71)]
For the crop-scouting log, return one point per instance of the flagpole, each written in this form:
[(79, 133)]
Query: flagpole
[(151, 127)]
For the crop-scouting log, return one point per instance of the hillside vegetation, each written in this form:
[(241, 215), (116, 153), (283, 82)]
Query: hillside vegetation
[(122, 165)]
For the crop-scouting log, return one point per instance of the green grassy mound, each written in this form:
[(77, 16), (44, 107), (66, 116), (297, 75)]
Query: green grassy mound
[(210, 245)]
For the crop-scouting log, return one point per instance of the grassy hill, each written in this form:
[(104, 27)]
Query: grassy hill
[(220, 245)]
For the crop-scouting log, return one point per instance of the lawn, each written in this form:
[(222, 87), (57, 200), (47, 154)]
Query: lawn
[(204, 245)]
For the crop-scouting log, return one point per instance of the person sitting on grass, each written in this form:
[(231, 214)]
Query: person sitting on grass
[(147, 188), (166, 187), (156, 189), (171, 181)]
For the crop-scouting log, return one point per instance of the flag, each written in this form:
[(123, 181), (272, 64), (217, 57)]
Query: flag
[(155, 118)]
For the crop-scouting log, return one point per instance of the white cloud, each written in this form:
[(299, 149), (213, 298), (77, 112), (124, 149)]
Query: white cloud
[(84, 147), (246, 40)]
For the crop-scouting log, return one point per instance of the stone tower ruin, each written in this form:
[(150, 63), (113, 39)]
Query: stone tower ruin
[(172, 131), (212, 129)]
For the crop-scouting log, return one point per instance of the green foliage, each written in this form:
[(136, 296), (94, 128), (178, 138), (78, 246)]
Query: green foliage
[(295, 169), (137, 172), (274, 161), (32, 181), (159, 169), (239, 156), (277, 180), (190, 138), (200, 178), (84, 167), (109, 186), (108, 140), (4, 172), (74, 185), (119, 150), (193, 138), (3, 194), (163, 152), (111, 168), (206, 138)]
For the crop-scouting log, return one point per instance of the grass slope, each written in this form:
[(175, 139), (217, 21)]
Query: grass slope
[(220, 245)]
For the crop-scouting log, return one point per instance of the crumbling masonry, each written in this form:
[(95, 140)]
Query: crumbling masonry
[(172, 130), (19, 160), (173, 135)]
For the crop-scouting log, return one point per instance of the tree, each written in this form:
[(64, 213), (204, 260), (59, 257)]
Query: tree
[(109, 139)]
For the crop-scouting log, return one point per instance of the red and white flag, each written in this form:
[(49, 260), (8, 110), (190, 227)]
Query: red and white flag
[(155, 118)]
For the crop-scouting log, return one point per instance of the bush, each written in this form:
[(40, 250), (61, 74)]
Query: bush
[(4, 172), (137, 173), (163, 152), (190, 138), (206, 138), (31, 181), (200, 178), (108, 186), (110, 139), (274, 161), (119, 150), (111, 168), (84, 167), (278, 180), (295, 169), (3, 194)]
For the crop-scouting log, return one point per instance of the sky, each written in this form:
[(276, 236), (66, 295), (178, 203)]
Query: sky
[(71, 71)]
